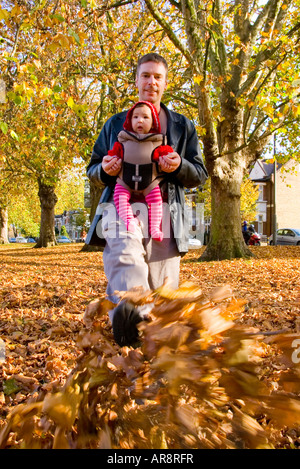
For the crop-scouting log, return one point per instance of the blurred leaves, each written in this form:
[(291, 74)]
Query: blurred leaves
[(206, 376)]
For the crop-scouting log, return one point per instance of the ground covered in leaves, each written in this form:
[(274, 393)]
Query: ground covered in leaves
[(44, 338)]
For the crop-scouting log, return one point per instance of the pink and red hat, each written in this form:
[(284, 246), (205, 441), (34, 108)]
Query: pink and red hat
[(156, 124)]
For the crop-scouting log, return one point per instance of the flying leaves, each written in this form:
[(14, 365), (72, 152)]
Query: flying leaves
[(205, 376)]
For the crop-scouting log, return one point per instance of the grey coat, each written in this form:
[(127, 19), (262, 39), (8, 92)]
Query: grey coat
[(182, 137)]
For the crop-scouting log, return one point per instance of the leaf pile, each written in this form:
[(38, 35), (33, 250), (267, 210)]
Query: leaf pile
[(43, 295), (195, 382)]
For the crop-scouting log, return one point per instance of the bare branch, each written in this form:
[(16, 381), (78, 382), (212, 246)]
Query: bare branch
[(218, 57), (169, 31)]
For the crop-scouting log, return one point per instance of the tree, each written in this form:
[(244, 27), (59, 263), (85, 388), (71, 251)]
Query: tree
[(68, 66), (24, 211), (70, 192), (249, 197), (240, 54), (40, 117), (3, 226)]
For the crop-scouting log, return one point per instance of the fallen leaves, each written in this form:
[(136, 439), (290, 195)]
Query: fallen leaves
[(43, 295), (214, 370)]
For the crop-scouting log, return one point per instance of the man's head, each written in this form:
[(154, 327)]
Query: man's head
[(151, 78), (152, 57)]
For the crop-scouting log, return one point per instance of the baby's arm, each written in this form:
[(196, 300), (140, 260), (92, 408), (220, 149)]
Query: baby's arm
[(112, 162), (167, 158)]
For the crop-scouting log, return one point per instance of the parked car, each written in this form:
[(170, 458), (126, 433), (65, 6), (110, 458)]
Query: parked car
[(63, 239), (286, 236), (12, 240), (20, 239), (194, 243), (30, 240)]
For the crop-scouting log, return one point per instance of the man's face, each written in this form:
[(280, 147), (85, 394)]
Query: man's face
[(151, 82)]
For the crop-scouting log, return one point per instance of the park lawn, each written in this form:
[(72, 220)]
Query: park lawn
[(44, 294)]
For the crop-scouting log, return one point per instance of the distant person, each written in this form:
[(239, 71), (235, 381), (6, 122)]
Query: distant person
[(206, 236)]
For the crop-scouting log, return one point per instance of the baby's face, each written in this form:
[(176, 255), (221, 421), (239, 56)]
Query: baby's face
[(141, 120)]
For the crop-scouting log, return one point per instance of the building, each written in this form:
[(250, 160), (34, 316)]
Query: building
[(287, 195), (69, 219)]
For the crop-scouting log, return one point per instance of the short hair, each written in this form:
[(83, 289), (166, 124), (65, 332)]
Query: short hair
[(151, 57)]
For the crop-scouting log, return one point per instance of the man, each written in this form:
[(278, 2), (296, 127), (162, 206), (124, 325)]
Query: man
[(134, 259)]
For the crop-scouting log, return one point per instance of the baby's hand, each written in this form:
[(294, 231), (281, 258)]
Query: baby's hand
[(111, 165), (170, 162)]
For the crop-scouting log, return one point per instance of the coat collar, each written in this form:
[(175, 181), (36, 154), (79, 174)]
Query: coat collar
[(174, 127)]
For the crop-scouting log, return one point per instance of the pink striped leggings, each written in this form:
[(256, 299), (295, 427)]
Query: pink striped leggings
[(154, 201)]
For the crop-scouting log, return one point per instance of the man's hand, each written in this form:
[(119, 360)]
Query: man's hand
[(170, 162), (111, 165)]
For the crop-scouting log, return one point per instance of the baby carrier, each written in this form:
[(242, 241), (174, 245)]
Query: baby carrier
[(140, 161)]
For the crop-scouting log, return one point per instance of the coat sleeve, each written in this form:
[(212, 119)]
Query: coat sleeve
[(105, 141)]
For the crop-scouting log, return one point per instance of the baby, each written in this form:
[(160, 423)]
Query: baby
[(140, 145)]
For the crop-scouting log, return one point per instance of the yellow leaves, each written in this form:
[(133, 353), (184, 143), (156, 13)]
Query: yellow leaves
[(269, 110), (60, 441), (79, 109), (4, 127), (70, 102), (188, 292), (66, 41), (24, 89), (37, 64), (211, 20), (198, 79), (4, 14), (95, 310), (201, 131), (295, 110), (63, 407), (45, 92), (158, 438), (213, 322), (20, 420), (16, 11), (60, 41)]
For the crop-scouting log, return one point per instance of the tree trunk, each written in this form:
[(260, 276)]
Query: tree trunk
[(48, 200), (3, 226), (226, 239)]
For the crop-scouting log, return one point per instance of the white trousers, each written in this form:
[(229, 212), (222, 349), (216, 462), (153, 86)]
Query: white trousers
[(134, 259)]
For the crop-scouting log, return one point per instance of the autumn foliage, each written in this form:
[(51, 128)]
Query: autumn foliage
[(217, 366)]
